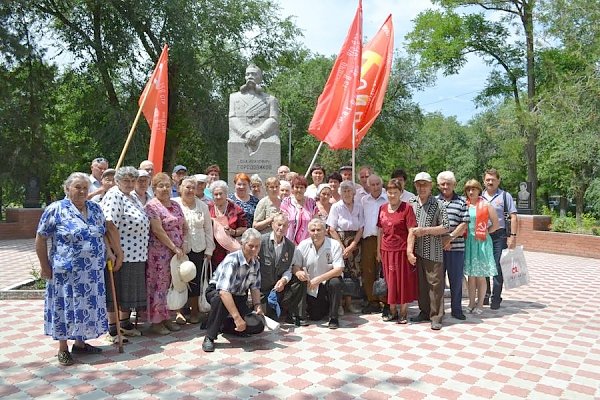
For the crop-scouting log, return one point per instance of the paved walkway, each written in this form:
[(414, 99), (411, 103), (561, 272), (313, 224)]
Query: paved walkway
[(544, 343)]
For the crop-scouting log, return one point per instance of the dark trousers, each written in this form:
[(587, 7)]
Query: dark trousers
[(454, 263), (327, 300), (499, 243), (219, 319), (431, 289), (368, 266), (289, 298)]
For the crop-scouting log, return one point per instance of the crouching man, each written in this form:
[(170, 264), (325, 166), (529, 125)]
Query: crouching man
[(281, 291), (322, 268), (227, 293)]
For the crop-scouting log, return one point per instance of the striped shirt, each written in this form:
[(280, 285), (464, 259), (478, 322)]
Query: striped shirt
[(432, 213), (235, 275), (458, 213)]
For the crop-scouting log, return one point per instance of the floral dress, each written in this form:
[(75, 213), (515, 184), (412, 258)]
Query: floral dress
[(158, 272), (75, 302)]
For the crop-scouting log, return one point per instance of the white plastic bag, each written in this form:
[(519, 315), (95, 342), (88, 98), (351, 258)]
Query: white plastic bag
[(176, 299), (514, 268), (203, 304)]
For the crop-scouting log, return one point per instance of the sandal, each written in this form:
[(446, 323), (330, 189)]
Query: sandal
[(390, 317), (86, 349), (403, 319), (64, 358)]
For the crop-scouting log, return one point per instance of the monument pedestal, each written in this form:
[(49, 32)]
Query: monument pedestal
[(264, 162)]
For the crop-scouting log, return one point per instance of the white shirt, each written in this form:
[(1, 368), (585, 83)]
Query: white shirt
[(200, 232), (317, 263), (94, 185), (128, 215), (342, 219), (371, 207), (406, 196)]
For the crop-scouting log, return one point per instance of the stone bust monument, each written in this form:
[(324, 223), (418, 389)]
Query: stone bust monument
[(253, 114)]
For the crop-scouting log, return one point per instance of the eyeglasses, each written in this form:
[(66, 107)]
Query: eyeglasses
[(99, 160)]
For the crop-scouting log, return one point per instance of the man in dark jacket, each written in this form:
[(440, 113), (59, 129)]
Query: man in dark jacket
[(279, 261)]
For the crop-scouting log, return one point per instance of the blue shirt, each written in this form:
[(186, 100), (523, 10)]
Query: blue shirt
[(235, 275), (77, 242), (497, 201)]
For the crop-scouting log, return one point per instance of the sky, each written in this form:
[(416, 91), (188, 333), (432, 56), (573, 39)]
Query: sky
[(325, 23)]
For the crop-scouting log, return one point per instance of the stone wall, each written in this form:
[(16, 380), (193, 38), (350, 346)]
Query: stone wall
[(534, 235), (21, 223)]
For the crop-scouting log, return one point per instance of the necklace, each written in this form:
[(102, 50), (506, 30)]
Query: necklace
[(220, 210)]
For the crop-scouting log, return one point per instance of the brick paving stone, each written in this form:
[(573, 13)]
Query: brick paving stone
[(543, 342)]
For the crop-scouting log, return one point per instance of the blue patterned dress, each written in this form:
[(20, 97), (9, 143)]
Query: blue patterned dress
[(75, 304), (479, 255)]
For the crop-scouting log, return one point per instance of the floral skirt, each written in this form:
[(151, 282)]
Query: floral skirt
[(75, 305)]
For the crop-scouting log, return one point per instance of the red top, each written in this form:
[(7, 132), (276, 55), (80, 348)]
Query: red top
[(395, 226)]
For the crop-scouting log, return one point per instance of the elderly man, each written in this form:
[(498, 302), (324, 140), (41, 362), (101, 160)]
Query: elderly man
[(363, 188), (506, 235), (322, 269), (282, 172), (368, 262), (108, 181), (227, 292), (99, 165), (279, 262), (201, 181), (454, 244), (148, 166), (432, 221), (179, 172)]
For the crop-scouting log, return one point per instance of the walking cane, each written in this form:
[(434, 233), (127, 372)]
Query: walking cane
[(115, 304)]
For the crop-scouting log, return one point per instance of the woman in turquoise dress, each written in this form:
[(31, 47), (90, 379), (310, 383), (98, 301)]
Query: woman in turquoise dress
[(479, 252), (75, 302)]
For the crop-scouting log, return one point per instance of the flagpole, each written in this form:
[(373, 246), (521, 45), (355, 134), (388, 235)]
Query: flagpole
[(313, 160), (353, 152), (130, 136)]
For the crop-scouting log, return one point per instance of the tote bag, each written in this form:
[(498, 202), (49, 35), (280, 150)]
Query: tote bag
[(514, 268), (203, 304)]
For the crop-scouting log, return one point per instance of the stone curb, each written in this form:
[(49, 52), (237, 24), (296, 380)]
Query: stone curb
[(10, 293)]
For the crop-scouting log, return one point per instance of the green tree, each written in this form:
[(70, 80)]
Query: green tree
[(444, 38)]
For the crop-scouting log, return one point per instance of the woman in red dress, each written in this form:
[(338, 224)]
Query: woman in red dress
[(394, 222)]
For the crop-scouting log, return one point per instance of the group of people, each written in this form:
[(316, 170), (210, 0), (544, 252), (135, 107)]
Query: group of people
[(303, 252)]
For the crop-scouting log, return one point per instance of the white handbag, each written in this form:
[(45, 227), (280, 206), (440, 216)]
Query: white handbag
[(203, 304), (176, 299)]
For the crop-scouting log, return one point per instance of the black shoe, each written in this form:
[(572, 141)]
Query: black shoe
[(494, 305), (460, 316), (333, 323), (420, 318), (486, 300), (208, 345), (299, 321), (371, 309)]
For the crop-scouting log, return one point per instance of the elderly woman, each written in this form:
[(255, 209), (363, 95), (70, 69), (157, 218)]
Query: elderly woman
[(229, 222), (242, 196), (128, 230), (346, 221), (141, 190), (394, 244), (75, 301), (334, 180), (299, 210), (285, 189), (267, 206), (167, 231), (479, 252), (317, 174), (256, 186), (323, 203), (198, 243)]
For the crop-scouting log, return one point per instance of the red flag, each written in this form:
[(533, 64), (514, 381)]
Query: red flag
[(374, 77), (333, 119), (155, 108)]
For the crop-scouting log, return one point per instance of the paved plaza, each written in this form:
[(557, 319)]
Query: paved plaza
[(543, 343)]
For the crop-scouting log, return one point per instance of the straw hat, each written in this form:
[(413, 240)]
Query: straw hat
[(182, 271)]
